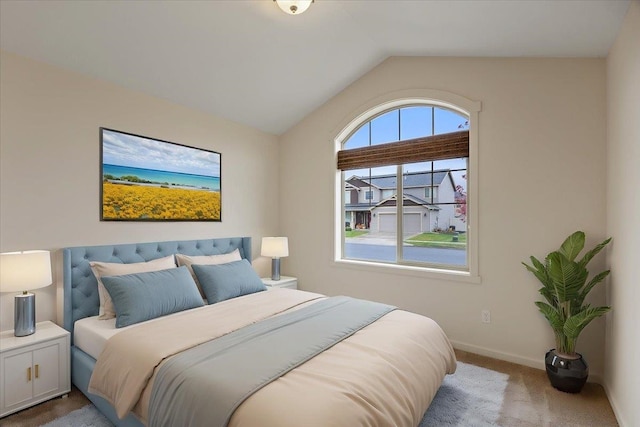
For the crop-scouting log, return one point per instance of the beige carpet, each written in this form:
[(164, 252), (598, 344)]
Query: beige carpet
[(529, 401)]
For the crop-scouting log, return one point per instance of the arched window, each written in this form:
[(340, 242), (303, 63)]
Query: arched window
[(404, 179)]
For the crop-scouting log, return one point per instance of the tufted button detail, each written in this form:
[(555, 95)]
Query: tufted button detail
[(84, 298)]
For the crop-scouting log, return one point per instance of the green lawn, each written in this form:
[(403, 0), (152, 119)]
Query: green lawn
[(438, 240), (355, 233)]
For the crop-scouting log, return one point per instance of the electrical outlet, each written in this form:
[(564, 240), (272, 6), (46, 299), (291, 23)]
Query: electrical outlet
[(486, 316)]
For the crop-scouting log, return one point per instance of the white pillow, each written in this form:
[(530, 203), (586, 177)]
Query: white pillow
[(187, 260), (104, 269)]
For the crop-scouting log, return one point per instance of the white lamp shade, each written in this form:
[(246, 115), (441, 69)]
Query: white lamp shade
[(275, 247), (294, 7), (23, 271)]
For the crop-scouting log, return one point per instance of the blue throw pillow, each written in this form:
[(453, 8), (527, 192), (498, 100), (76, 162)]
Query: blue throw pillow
[(230, 280), (144, 296)]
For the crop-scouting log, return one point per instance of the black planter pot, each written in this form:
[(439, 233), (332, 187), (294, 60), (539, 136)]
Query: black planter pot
[(566, 374)]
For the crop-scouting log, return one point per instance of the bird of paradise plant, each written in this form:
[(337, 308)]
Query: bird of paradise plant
[(565, 287)]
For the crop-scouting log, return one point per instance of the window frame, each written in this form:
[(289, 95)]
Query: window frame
[(431, 194), (424, 98)]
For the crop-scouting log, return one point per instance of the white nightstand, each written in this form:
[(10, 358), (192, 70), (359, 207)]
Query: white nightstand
[(284, 282), (34, 368)]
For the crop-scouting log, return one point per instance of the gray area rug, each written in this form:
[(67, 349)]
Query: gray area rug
[(470, 397), (87, 416)]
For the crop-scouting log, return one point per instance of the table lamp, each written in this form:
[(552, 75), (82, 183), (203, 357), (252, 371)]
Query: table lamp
[(275, 247), (22, 271)]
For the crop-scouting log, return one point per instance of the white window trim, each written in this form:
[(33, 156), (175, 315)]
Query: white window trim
[(401, 99), (407, 270)]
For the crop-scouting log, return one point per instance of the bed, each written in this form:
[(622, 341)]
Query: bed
[(385, 371)]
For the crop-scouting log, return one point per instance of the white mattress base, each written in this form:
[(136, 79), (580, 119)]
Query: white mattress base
[(90, 334)]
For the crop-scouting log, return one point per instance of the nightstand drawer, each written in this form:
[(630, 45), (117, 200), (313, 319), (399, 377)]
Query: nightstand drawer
[(34, 368), (284, 282)]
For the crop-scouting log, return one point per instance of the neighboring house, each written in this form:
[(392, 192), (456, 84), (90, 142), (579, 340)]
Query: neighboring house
[(370, 202)]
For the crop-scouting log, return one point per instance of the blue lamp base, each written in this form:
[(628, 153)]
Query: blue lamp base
[(24, 316), (275, 269)]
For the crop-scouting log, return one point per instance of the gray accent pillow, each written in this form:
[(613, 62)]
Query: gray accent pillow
[(187, 261), (230, 280), (117, 269), (145, 296)]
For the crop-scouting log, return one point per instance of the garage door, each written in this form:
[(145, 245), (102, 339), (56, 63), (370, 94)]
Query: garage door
[(411, 222), (388, 222)]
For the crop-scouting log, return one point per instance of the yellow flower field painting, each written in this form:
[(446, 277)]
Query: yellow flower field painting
[(146, 179)]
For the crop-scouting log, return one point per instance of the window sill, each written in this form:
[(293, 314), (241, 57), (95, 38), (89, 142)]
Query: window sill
[(409, 270)]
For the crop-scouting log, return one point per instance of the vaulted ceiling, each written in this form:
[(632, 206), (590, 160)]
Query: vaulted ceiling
[(249, 62)]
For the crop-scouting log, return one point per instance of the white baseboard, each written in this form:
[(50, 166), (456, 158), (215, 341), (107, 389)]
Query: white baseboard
[(614, 406), (594, 377)]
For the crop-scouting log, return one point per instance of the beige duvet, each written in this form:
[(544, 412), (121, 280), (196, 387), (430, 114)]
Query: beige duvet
[(384, 375)]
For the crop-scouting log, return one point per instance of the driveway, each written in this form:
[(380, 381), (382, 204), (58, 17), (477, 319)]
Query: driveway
[(382, 247), (377, 238)]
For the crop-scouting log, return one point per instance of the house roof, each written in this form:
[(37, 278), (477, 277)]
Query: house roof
[(411, 179), (356, 182), (349, 186), (407, 200), (359, 207)]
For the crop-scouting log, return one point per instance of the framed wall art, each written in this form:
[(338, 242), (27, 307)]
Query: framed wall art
[(147, 179)]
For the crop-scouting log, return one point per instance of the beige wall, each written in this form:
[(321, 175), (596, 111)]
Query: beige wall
[(49, 167), (541, 176), (622, 374)]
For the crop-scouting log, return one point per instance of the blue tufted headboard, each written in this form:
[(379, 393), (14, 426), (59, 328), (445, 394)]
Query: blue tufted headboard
[(80, 285)]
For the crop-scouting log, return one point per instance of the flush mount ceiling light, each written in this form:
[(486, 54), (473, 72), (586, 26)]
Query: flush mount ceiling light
[(293, 7)]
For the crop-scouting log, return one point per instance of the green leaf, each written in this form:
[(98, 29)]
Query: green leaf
[(548, 294), (593, 252), (594, 281), (538, 270), (553, 316), (578, 308), (567, 277), (573, 245), (539, 266), (575, 324)]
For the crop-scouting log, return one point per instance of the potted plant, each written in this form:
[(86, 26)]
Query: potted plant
[(565, 287)]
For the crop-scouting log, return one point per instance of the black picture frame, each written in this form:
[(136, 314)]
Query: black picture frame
[(149, 179)]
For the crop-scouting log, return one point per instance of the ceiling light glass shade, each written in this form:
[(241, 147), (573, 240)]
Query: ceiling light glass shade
[(275, 247), (294, 7), (22, 271)]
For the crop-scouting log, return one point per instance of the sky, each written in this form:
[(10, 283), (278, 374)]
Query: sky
[(410, 122), (136, 151)]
